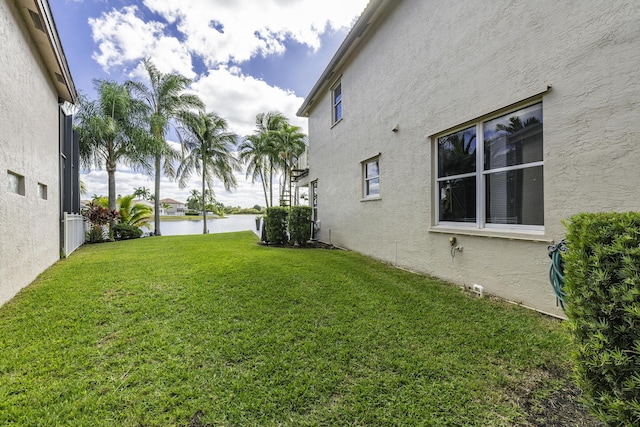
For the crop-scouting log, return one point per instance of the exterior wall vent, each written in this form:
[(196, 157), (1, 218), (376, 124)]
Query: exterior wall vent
[(59, 77), (37, 20)]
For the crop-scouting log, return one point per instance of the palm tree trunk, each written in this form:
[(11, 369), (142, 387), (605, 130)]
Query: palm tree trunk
[(271, 184), (264, 187), (111, 175), (156, 202), (204, 202)]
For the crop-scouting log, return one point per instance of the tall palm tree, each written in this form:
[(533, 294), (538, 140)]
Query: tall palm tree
[(142, 192), (166, 97), (252, 153), (291, 143), (111, 132), (208, 151), (261, 150)]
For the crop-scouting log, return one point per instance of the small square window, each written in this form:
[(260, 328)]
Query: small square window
[(371, 173), (15, 183), (336, 95), (42, 191)]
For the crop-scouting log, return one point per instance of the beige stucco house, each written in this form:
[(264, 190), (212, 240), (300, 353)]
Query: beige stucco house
[(485, 123), (172, 207), (38, 155)]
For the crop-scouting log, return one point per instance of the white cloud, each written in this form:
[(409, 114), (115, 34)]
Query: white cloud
[(218, 31), (239, 98), (124, 38)]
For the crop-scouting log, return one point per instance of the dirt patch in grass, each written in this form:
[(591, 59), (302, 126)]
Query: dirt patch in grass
[(556, 408)]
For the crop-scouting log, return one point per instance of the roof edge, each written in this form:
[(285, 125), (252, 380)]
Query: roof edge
[(47, 41), (369, 16)]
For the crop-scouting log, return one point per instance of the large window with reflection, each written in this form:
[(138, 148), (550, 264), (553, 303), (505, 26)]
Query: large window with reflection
[(490, 174)]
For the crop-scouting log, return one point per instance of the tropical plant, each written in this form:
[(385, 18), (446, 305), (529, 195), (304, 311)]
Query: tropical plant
[(98, 215), (111, 132), (274, 146), (207, 151), (194, 201), (291, 144), (142, 192), (129, 213), (261, 151), (166, 97)]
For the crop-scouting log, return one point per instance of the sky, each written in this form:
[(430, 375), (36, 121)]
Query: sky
[(244, 57)]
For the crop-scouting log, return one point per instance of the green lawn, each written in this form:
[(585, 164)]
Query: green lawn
[(215, 330)]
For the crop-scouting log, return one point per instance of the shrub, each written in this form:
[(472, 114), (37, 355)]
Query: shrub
[(99, 216), (602, 271), (96, 234), (300, 224), (276, 224), (126, 232), (192, 213)]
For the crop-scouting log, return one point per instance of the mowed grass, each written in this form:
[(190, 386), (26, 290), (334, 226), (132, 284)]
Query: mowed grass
[(215, 330)]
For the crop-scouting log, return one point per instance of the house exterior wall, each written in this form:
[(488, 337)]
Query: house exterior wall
[(432, 66), (29, 146)]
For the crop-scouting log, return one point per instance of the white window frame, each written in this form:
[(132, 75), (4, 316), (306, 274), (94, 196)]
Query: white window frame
[(42, 191), (336, 103), (366, 179), (480, 174)]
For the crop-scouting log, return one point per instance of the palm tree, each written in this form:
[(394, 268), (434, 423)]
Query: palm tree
[(291, 143), (515, 124), (208, 150), (193, 201), (167, 99), (142, 192), (111, 132), (252, 153), (261, 150)]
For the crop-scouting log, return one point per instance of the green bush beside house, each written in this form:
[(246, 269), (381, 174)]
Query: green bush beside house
[(602, 270)]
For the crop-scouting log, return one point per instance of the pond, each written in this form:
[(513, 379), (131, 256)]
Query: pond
[(216, 225)]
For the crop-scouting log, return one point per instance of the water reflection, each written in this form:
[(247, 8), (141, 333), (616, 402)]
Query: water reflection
[(218, 225)]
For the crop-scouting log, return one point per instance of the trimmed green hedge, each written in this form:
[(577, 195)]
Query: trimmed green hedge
[(126, 232), (602, 271), (300, 224), (276, 224)]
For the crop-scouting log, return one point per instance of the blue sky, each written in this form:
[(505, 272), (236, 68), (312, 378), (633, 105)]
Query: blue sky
[(244, 57)]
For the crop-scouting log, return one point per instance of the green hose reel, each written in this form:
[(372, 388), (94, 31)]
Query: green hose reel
[(556, 271)]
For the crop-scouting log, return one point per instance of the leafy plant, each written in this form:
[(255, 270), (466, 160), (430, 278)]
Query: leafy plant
[(602, 271), (300, 224), (276, 225), (99, 217)]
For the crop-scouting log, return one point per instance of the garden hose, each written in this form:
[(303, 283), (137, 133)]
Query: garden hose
[(556, 271)]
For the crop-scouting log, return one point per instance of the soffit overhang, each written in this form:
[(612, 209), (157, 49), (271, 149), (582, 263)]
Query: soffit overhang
[(38, 19)]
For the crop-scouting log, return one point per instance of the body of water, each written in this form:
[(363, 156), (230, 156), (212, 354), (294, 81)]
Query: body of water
[(217, 225)]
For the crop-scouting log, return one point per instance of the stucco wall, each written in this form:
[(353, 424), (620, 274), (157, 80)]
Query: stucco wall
[(29, 146), (432, 66)]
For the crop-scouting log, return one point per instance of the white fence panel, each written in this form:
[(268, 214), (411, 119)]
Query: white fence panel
[(74, 232)]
